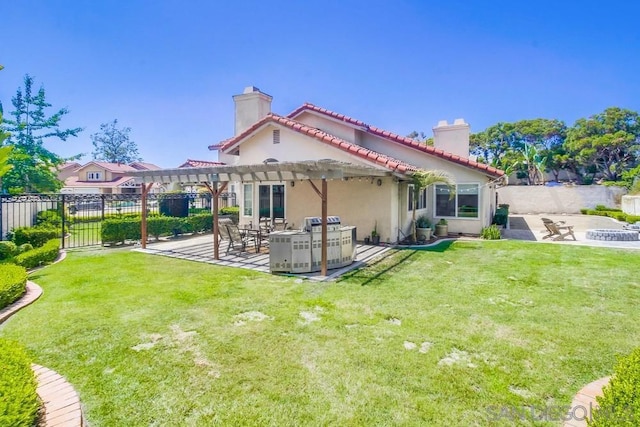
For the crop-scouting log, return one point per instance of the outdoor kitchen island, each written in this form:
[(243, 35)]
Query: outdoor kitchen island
[(300, 251)]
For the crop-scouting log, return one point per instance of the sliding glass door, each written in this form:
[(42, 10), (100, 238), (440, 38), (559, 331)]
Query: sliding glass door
[(271, 200)]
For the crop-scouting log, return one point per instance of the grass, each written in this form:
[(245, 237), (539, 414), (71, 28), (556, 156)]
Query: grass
[(470, 333)]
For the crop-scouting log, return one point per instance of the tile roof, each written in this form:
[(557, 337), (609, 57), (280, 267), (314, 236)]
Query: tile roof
[(190, 163), (145, 166), (403, 140), (113, 167), (73, 181), (354, 149)]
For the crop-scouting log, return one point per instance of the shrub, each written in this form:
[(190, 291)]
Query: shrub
[(200, 222), (49, 218), (501, 216), (165, 225), (231, 211), (13, 282), (491, 233), (601, 208), (620, 402), (584, 211), (632, 219), (43, 255), (119, 230), (25, 247), (37, 236), (19, 404), (7, 249), (423, 222)]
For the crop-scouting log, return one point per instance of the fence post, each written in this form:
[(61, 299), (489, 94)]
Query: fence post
[(64, 220)]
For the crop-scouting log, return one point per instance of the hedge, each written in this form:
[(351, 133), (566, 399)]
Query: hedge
[(611, 213), (620, 402), (120, 230), (7, 249), (43, 255), (37, 236), (19, 404), (13, 283)]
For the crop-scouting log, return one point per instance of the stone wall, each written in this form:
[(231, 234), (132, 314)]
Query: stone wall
[(523, 199)]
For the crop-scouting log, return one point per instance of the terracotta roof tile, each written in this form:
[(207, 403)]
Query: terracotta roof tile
[(320, 136), (190, 163), (390, 136)]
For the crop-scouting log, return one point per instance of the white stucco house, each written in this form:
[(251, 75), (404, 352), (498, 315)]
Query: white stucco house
[(314, 133)]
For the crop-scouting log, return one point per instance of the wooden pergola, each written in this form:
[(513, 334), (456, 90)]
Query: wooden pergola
[(216, 179)]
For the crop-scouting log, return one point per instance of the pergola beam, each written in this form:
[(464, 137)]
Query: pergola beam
[(212, 176)]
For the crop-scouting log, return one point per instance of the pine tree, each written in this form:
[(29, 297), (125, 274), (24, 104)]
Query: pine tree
[(33, 165)]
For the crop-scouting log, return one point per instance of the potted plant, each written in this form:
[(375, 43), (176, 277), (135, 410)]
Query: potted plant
[(423, 228), (375, 237), (421, 179), (442, 228)]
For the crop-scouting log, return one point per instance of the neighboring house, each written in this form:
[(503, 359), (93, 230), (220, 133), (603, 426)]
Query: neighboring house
[(229, 197), (384, 204), (67, 169), (105, 178)]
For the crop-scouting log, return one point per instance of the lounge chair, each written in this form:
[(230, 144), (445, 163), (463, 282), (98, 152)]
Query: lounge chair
[(557, 230), (239, 240)]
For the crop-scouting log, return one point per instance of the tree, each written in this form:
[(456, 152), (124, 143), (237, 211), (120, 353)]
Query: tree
[(609, 142), (422, 179), (113, 145), (33, 166)]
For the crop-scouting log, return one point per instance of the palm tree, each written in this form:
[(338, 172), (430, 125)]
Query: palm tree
[(422, 179)]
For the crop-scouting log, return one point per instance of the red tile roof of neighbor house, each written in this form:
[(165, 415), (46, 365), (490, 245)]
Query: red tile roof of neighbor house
[(190, 163), (145, 166), (73, 181), (112, 167), (390, 136), (357, 150)]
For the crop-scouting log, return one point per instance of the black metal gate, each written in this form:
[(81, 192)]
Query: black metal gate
[(80, 216)]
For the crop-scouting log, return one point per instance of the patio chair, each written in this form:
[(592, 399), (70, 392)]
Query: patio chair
[(239, 240), (557, 230), (279, 224), (222, 233)]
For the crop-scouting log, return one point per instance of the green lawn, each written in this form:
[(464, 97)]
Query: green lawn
[(457, 336)]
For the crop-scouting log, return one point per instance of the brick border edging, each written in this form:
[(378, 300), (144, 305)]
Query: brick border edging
[(584, 402), (61, 401)]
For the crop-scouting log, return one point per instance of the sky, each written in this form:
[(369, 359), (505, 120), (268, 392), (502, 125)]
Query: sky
[(168, 69)]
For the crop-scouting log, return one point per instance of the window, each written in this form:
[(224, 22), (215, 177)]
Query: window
[(93, 176), (422, 199), (463, 205), (276, 136), (271, 201), (247, 194)]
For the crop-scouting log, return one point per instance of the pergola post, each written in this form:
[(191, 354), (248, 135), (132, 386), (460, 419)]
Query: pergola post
[(143, 218), (215, 192), (323, 250)]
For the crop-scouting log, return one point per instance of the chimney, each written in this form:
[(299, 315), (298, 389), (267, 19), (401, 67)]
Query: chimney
[(452, 138), (251, 106)]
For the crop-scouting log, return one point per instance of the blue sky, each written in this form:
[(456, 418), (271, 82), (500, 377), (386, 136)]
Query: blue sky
[(168, 69)]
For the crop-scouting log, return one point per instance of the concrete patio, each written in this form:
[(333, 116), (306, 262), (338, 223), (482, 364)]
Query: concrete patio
[(200, 249), (530, 227)]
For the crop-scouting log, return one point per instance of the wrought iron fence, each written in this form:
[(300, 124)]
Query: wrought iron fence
[(80, 216)]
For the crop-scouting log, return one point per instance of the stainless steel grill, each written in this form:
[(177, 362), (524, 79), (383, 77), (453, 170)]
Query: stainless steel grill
[(314, 223), (300, 251)]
